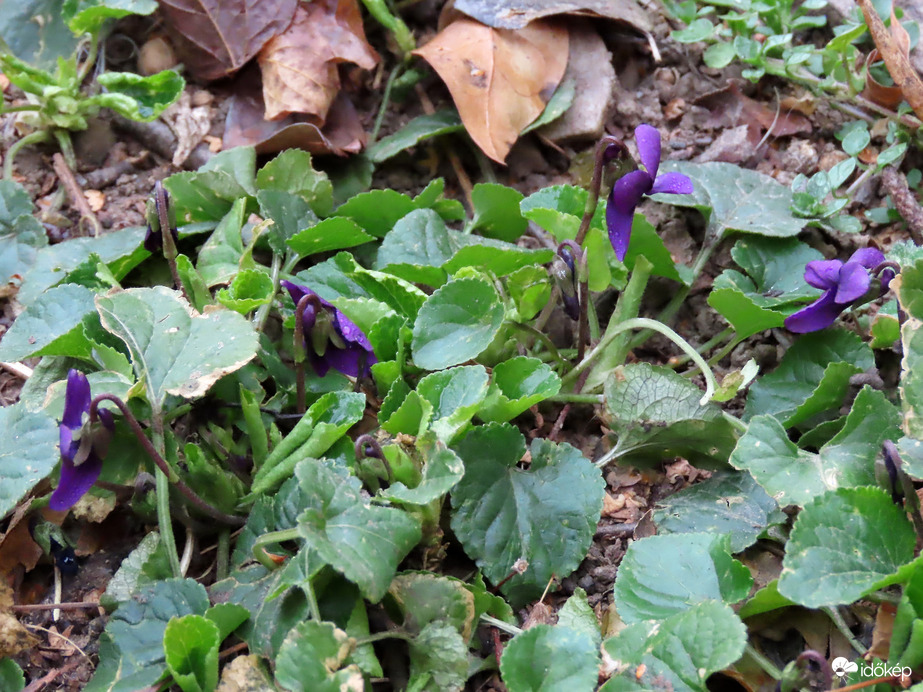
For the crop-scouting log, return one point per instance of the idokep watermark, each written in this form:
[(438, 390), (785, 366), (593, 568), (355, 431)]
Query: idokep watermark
[(843, 667)]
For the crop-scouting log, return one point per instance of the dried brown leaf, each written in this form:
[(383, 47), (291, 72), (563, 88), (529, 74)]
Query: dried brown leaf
[(875, 91), (300, 73), (515, 14), (222, 35), (13, 636), (730, 107), (245, 125), (500, 79), (893, 45)]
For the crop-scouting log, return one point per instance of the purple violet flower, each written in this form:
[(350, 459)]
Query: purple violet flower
[(77, 476), (630, 188), (843, 284), (347, 349)]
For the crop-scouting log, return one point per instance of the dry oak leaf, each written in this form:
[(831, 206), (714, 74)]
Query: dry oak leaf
[(222, 35), (500, 79), (299, 66), (893, 45)]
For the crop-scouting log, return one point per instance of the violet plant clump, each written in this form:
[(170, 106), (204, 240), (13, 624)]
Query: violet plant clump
[(843, 284), (81, 458), (332, 340), (631, 188)]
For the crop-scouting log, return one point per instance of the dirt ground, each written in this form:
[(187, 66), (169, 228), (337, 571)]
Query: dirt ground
[(703, 115)]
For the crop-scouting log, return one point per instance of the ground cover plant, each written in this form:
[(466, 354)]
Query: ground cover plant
[(326, 434)]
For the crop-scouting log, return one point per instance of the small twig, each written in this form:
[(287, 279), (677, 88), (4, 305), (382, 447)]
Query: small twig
[(40, 607), (460, 173), (233, 649), (895, 184), (161, 463), (104, 177), (60, 636), (50, 677), (21, 371), (78, 199)]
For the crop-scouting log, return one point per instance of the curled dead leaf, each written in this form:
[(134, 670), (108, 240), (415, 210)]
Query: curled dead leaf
[(95, 199), (300, 73), (245, 125), (500, 79), (220, 36), (875, 91), (893, 46)]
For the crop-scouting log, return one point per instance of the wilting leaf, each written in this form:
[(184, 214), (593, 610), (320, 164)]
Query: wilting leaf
[(300, 73), (499, 79), (245, 125), (222, 35)]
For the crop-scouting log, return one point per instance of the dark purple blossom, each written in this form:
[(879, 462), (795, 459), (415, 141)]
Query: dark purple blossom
[(630, 188), (843, 283), (343, 347), (77, 475)]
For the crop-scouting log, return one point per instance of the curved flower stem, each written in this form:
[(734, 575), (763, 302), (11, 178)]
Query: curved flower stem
[(385, 101), (259, 552), (597, 181), (299, 346), (162, 205), (645, 323), (367, 447), (259, 320), (764, 663), (32, 138), (161, 463)]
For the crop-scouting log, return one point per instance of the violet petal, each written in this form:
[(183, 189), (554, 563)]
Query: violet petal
[(868, 257), (673, 183), (74, 481), (76, 399), (823, 273), (816, 316), (648, 140), (853, 283), (620, 210)]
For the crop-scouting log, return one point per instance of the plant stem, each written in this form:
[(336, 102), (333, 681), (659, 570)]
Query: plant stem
[(259, 553), (91, 58), (164, 517), (645, 323), (628, 306), (599, 164), (500, 625), (259, 320), (223, 554), (577, 398), (162, 205), (764, 663), (837, 618), (32, 138), (380, 636), (704, 348), (394, 24), (158, 458), (669, 312), (385, 101)]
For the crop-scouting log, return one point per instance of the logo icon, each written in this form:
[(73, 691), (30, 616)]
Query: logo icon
[(842, 667)]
